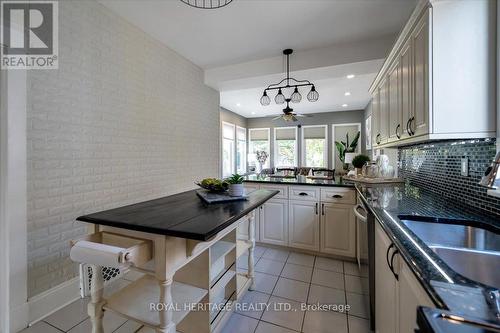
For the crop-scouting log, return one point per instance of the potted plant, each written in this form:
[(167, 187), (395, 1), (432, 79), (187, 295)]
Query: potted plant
[(344, 147), (236, 188), (359, 161)]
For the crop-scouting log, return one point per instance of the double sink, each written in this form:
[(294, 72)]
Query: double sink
[(471, 251)]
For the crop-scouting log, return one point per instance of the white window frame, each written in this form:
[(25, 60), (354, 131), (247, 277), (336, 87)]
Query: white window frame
[(296, 155), (360, 141), (249, 140), (303, 145), (233, 162), (244, 155)]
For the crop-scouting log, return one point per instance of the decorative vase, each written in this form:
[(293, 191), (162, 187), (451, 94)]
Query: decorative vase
[(236, 190)]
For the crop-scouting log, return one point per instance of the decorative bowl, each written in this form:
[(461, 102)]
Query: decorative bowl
[(214, 185)]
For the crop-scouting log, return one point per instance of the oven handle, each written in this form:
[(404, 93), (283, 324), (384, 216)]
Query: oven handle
[(360, 216)]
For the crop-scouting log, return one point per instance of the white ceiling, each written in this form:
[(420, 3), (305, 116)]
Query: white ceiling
[(254, 29), (240, 46)]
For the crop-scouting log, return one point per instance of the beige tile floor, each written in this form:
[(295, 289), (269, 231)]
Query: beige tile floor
[(282, 277)]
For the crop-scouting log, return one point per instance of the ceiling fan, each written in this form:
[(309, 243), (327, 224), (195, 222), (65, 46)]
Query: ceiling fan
[(288, 114)]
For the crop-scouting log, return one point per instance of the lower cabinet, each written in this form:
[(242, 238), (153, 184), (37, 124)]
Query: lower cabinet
[(397, 291), (338, 230), (274, 222), (385, 286), (303, 226)]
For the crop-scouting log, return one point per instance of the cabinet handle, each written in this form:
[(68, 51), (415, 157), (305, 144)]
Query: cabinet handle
[(408, 127), (397, 131), (337, 196), (322, 209), (316, 208), (392, 264), (387, 256), (377, 139), (303, 193), (412, 119)]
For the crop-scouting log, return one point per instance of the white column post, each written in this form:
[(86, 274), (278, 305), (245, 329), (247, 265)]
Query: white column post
[(251, 241), (94, 308), (167, 324)]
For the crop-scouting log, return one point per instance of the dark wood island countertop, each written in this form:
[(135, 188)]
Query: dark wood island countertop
[(182, 215)]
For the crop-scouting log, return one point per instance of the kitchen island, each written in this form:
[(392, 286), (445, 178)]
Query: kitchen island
[(186, 249)]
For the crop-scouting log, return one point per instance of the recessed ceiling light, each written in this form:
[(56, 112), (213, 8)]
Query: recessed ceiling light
[(344, 105), (347, 93), (253, 112), (350, 76), (238, 104)]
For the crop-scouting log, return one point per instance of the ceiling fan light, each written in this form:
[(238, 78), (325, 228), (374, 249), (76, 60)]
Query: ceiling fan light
[(313, 95), (280, 98), (296, 96), (265, 100)]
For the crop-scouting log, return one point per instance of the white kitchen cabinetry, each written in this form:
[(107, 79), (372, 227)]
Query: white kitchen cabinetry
[(411, 295), (385, 285), (432, 85), (303, 229), (397, 291), (318, 219), (274, 222), (338, 229)]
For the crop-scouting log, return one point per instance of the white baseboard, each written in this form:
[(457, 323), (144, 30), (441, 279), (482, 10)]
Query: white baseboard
[(48, 302), (18, 318)]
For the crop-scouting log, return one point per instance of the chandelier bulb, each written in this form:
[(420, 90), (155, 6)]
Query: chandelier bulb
[(296, 96), (313, 95), (280, 98), (265, 100)]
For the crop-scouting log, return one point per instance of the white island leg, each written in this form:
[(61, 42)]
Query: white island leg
[(94, 308), (251, 241), (167, 324)]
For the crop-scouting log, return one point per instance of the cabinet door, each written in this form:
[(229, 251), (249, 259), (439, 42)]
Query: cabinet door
[(385, 286), (394, 103), (274, 222), (384, 111), (406, 88), (303, 227), (375, 117), (411, 295), (421, 79), (338, 230)]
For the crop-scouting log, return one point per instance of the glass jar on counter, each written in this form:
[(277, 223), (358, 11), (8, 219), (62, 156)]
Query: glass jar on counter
[(370, 170)]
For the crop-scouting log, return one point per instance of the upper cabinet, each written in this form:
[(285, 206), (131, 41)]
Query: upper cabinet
[(438, 81)]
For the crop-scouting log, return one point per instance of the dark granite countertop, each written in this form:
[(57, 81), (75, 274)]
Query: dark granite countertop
[(183, 215), (299, 180), (393, 204)]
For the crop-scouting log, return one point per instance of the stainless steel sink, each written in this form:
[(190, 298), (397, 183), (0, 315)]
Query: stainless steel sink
[(477, 265)]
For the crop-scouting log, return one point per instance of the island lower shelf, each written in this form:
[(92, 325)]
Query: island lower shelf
[(135, 300)]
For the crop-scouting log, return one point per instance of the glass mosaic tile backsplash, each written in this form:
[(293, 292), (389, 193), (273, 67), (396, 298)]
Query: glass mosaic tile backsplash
[(436, 167)]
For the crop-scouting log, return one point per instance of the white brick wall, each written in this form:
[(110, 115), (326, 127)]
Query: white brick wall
[(124, 119)]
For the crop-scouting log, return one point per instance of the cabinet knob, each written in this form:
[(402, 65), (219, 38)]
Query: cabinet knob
[(303, 194)]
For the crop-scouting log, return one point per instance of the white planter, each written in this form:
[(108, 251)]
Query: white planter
[(236, 190)]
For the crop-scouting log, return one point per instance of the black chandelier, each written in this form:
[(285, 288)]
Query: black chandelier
[(296, 97), (207, 4)]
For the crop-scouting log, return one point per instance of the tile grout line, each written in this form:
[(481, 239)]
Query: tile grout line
[(308, 292), (57, 328)]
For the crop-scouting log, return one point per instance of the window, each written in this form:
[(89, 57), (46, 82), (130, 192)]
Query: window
[(314, 146), (227, 149), (258, 140), (241, 150), (285, 146)]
